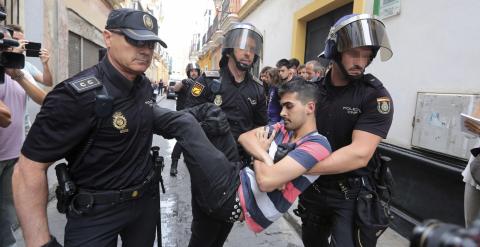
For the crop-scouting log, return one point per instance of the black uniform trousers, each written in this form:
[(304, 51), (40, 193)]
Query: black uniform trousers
[(214, 184), (134, 220), (328, 213)]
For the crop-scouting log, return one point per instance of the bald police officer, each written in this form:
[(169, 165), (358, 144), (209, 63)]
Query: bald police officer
[(100, 121)]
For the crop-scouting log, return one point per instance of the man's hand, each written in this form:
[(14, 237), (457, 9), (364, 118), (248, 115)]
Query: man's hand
[(15, 74), (21, 47), (44, 55), (262, 137)]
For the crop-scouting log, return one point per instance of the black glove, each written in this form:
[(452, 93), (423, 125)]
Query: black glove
[(52, 243), (212, 119)]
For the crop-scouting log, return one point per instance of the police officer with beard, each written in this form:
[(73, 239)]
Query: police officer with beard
[(241, 96), (193, 71), (355, 113), (100, 121)]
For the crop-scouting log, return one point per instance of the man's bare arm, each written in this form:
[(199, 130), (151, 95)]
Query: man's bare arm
[(270, 177), (30, 192), (46, 77), (5, 115), (351, 157), (37, 94)]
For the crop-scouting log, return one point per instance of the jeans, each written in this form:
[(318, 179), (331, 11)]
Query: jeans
[(8, 216)]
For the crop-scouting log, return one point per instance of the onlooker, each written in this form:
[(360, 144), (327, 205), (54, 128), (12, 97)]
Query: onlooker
[(274, 107), (262, 78), (161, 86), (293, 66), (13, 94), (302, 71), (283, 72), (315, 71), (472, 186), (5, 115), (44, 78)]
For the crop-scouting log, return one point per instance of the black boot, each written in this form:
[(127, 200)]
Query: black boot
[(173, 168)]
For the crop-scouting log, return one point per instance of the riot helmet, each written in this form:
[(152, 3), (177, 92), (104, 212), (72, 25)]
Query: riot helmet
[(190, 66), (352, 31), (243, 36)]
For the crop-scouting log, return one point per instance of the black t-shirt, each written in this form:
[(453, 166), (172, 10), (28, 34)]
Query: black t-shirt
[(119, 156), (244, 103), (362, 105)]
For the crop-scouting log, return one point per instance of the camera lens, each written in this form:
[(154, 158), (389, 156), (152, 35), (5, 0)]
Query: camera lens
[(433, 233)]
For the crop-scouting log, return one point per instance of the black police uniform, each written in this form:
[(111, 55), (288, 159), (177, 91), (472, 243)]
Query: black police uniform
[(244, 102), (181, 99), (328, 206), (117, 160)]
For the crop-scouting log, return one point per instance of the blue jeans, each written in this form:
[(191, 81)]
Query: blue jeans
[(8, 216)]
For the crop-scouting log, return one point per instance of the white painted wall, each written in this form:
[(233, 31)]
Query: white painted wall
[(436, 45), (274, 18)]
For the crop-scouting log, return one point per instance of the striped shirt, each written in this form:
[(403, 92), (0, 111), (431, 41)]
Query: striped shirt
[(261, 209)]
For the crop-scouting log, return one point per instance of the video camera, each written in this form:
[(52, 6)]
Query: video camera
[(433, 233), (10, 60)]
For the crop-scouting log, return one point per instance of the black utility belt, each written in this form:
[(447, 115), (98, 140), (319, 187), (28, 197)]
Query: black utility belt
[(90, 197)]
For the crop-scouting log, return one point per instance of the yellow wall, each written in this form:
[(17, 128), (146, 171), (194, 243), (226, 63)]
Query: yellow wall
[(205, 61), (94, 11), (310, 12)]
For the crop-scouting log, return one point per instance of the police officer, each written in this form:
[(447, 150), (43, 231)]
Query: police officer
[(100, 121), (241, 96), (193, 71), (355, 113)]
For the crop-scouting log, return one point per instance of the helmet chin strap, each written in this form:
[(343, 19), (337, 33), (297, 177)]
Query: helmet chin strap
[(241, 66), (347, 76)]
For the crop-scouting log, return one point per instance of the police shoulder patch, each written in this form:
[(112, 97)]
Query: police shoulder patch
[(85, 84), (197, 89), (383, 105)]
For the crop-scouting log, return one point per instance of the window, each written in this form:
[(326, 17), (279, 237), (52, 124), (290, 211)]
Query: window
[(82, 53)]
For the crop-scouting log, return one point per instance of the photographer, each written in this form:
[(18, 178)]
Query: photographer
[(13, 94), (44, 78)]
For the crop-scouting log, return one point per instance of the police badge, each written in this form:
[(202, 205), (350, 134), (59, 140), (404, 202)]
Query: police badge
[(147, 22), (218, 100), (383, 105), (120, 122)]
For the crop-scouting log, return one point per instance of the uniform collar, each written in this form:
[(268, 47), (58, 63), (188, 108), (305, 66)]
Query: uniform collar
[(115, 77), (225, 72)]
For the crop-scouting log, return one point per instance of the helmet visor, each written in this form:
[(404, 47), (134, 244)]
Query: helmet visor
[(245, 39), (364, 32)]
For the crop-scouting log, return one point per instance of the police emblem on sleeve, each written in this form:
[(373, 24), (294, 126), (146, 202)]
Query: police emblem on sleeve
[(383, 105), (218, 100), (147, 22), (120, 122), (197, 89)]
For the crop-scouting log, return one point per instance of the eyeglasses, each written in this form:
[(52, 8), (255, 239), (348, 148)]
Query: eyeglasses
[(137, 43)]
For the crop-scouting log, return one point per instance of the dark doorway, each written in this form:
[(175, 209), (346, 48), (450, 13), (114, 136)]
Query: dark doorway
[(317, 30)]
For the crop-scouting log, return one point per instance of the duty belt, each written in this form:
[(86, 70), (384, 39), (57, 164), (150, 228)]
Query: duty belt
[(349, 186), (87, 198)]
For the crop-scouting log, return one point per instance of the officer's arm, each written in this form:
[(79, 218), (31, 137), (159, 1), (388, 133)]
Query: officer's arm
[(272, 177), (30, 193), (178, 86), (5, 116), (250, 143), (351, 157)]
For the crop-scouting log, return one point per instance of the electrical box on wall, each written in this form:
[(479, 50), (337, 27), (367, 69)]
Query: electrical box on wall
[(437, 125)]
